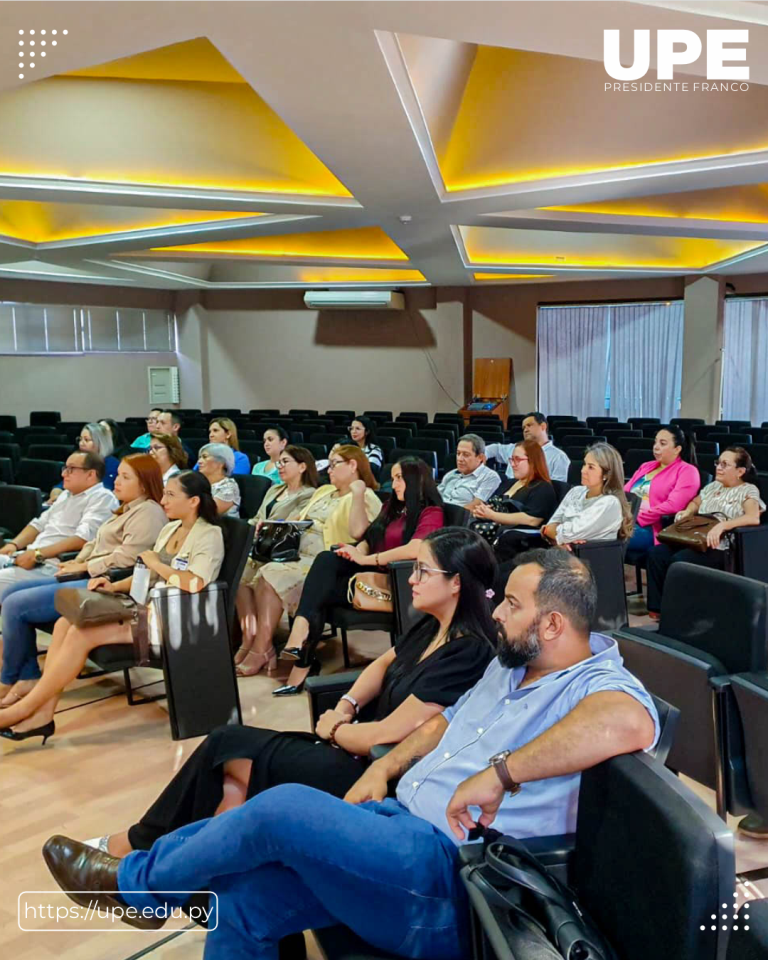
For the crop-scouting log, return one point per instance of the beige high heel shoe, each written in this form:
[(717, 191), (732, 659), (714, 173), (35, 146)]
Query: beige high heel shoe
[(266, 658)]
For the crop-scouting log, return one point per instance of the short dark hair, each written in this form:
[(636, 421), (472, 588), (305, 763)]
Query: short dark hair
[(92, 461), (537, 415), (567, 585), (176, 417)]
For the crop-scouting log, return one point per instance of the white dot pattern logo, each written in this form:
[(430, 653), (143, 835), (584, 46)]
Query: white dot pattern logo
[(42, 43), (738, 919)]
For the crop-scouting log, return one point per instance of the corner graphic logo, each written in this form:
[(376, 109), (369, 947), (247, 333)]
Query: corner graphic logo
[(677, 48)]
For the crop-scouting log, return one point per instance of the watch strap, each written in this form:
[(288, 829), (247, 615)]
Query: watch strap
[(499, 764)]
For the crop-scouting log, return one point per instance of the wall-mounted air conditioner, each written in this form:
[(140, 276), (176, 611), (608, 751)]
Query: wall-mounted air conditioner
[(354, 300)]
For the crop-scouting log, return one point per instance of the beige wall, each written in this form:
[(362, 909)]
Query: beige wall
[(703, 363)]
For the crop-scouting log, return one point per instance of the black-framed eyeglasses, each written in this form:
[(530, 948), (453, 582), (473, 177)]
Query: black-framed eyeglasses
[(723, 464), (68, 469), (419, 571), (283, 462), (332, 464)]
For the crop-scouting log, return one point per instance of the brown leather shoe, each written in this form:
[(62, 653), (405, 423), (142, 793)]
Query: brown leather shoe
[(77, 867)]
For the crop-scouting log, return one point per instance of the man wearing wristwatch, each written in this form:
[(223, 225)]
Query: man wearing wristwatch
[(71, 522), (555, 701)]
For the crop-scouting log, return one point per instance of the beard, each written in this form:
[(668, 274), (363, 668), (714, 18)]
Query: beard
[(520, 650)]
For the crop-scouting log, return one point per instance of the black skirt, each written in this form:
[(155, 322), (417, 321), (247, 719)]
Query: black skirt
[(197, 789)]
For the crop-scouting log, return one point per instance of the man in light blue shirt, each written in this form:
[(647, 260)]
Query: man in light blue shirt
[(472, 480), (556, 701), (535, 427)]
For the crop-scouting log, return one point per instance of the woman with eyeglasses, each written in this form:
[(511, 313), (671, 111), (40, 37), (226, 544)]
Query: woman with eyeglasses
[(94, 438), (171, 457), (414, 510), (434, 664), (285, 501), (665, 485), (528, 503), (216, 461), (734, 498), (187, 553), (341, 511)]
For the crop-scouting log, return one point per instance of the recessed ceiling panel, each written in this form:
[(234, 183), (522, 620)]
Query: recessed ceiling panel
[(513, 276), (494, 246)]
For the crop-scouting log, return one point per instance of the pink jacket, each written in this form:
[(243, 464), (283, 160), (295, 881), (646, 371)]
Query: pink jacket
[(671, 490)]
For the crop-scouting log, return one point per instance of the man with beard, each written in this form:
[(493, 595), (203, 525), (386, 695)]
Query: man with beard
[(555, 701)]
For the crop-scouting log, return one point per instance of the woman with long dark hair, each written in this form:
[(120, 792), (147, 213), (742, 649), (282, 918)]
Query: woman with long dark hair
[(189, 549), (437, 661), (362, 431), (414, 510)]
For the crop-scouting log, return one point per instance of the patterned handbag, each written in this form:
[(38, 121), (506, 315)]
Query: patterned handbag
[(371, 592)]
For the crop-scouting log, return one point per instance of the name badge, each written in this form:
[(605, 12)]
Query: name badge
[(179, 563)]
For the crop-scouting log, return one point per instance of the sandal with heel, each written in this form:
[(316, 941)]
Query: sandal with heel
[(266, 659)]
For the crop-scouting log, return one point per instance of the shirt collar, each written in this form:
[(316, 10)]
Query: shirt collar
[(85, 493), (133, 503), (602, 647)]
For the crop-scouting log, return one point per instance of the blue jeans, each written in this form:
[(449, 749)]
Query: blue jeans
[(641, 541), (293, 858), (24, 606)]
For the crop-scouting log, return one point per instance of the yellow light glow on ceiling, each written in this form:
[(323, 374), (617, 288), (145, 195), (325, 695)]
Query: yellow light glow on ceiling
[(494, 246), (747, 204), (513, 276), (502, 135), (179, 116), (366, 243), (358, 275), (38, 222)]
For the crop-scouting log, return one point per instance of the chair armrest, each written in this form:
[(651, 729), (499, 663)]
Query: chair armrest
[(405, 615), (380, 750), (163, 590), (552, 851), (323, 692), (68, 555), (118, 573)]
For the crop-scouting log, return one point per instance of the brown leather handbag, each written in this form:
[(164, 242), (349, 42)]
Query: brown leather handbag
[(690, 532), (371, 592), (89, 608)]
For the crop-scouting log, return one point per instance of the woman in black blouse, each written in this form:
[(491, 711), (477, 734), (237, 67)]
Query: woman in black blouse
[(436, 662)]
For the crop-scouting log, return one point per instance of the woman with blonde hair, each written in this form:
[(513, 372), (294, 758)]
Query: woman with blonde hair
[(596, 510), (224, 430)]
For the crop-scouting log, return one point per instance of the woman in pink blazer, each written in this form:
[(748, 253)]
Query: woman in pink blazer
[(665, 485)]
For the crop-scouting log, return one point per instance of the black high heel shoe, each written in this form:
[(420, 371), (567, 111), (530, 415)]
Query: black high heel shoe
[(290, 689), (305, 654), (47, 730)]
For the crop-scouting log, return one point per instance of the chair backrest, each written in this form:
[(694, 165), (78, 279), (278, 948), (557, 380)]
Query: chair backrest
[(729, 439), (252, 492), (230, 412), (308, 414), (44, 474), (562, 418), (574, 439), (449, 433), (634, 458), (750, 696), (703, 432), (669, 718), (6, 470), (44, 417), (8, 422), (400, 434), (385, 415), (574, 473), (733, 424), (597, 421), (262, 412), (561, 488), (456, 516), (417, 416), (759, 454), (35, 439), (652, 861), (253, 449), (428, 456), (318, 450), (606, 560), (238, 538), (636, 421), (438, 445), (19, 505), (625, 444), (49, 451), (685, 422), (346, 415), (749, 940), (327, 439)]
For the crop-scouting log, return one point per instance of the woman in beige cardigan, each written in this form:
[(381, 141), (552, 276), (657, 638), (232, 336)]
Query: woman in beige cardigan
[(187, 554)]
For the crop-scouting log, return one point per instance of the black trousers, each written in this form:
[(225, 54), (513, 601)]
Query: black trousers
[(660, 559), (326, 584)]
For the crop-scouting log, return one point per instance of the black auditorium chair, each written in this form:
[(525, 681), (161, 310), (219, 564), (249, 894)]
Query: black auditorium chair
[(687, 422), (36, 439), (253, 449), (574, 439), (730, 439), (612, 434), (347, 416), (562, 418), (44, 474), (634, 458), (379, 415), (387, 445), (306, 414), (735, 425), (624, 444), (6, 470), (646, 902), (712, 624), (8, 422), (574, 473), (400, 434), (18, 505), (252, 492), (261, 413), (44, 418), (448, 435), (749, 940), (640, 421), (759, 454), (49, 451), (704, 432), (230, 412), (428, 456), (707, 448), (196, 656), (417, 416), (595, 422), (318, 450), (438, 445), (327, 439)]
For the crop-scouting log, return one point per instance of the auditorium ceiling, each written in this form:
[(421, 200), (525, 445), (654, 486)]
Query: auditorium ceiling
[(258, 145)]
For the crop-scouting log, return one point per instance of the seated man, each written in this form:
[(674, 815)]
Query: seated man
[(472, 481), (153, 429), (68, 524), (555, 701), (535, 427)]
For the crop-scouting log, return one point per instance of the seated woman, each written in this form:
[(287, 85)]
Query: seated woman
[(188, 551), (665, 485), (597, 510), (534, 498), (120, 446), (172, 458), (414, 510), (275, 441), (362, 431), (285, 501), (97, 439), (133, 529), (216, 461), (438, 660), (733, 496), (341, 511), (223, 430)]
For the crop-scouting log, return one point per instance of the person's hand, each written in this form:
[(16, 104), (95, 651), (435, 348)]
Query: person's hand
[(350, 552), (259, 524), (26, 560), (101, 583), (483, 512), (680, 514), (8, 549), (327, 722), (714, 536), (483, 790), (549, 532), (71, 566), (150, 559), (357, 486), (372, 785)]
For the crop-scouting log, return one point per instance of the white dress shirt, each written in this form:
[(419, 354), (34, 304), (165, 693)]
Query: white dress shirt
[(80, 515), (598, 518), (558, 460), (462, 488)]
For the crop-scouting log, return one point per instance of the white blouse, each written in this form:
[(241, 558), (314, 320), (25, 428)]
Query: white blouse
[(598, 518), (228, 491), (728, 502)]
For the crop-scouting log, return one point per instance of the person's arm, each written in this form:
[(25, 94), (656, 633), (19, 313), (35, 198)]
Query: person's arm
[(598, 521), (28, 559), (750, 518), (359, 738), (373, 783), (366, 688), (139, 533), (222, 506), (519, 520), (691, 510), (684, 490), (602, 725), (21, 540), (487, 485), (358, 515), (499, 451)]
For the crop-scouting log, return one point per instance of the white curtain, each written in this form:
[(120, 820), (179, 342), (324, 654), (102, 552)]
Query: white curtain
[(745, 360), (573, 360), (646, 360)]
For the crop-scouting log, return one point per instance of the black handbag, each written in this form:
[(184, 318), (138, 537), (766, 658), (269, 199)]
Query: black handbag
[(278, 541), (536, 911), (490, 530)]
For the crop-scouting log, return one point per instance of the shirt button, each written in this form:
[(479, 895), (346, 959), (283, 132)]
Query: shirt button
[(447, 756), (479, 729), (415, 784), (506, 701)]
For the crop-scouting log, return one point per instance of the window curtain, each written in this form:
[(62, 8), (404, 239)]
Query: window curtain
[(572, 359), (745, 360), (646, 360)]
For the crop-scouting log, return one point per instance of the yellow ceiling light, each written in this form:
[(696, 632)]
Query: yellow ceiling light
[(513, 276), (358, 275), (151, 120), (494, 246), (747, 204), (38, 222), (501, 134), (365, 243)]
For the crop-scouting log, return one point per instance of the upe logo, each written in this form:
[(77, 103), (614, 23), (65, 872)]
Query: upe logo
[(677, 48)]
